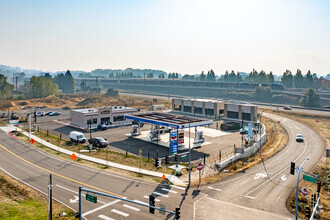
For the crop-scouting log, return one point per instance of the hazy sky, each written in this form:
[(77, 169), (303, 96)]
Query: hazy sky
[(171, 35)]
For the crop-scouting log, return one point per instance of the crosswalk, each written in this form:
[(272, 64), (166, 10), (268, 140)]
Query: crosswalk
[(125, 209)]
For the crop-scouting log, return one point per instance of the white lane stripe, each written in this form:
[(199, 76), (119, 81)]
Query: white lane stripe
[(138, 201), (249, 197), (147, 197), (119, 212), (70, 190), (178, 187), (105, 217), (168, 190), (210, 187), (132, 207), (101, 207), (160, 194)]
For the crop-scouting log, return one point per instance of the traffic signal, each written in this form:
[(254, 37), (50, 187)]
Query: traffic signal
[(319, 186), (156, 162), (151, 203), (166, 160), (177, 213), (314, 200), (293, 166), (308, 212), (176, 157)]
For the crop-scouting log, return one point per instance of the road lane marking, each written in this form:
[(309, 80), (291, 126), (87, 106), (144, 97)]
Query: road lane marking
[(70, 190), (283, 178), (138, 201), (147, 197), (216, 189), (120, 212), (249, 197), (160, 194), (101, 207), (59, 175), (105, 217), (131, 207), (168, 190), (260, 175), (75, 200), (178, 187)]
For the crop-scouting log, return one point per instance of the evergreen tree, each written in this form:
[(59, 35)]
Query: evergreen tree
[(298, 79), (226, 76), (287, 79), (310, 99), (6, 89), (232, 77), (308, 80), (239, 77), (270, 78), (262, 78), (202, 77)]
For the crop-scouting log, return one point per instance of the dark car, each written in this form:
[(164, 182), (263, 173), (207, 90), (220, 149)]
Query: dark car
[(98, 142), (287, 108), (102, 127), (299, 138), (47, 113), (54, 113)]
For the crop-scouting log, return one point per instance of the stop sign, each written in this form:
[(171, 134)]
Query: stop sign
[(304, 191), (199, 166)]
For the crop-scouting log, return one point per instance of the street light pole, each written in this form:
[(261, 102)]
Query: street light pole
[(260, 133), (189, 158), (299, 170)]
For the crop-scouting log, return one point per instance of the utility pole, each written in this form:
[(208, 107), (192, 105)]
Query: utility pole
[(29, 118), (189, 158), (50, 198), (16, 83), (260, 127)]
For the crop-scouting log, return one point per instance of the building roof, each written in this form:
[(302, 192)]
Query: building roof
[(169, 120), (96, 110)]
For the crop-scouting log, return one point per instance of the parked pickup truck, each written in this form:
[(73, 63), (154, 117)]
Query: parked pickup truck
[(98, 142)]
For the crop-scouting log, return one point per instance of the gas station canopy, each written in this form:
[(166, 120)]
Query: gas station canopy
[(169, 120)]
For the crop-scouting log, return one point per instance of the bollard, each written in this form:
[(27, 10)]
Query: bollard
[(126, 152), (220, 154), (47, 133)]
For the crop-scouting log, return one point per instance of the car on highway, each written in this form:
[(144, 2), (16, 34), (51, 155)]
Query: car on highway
[(102, 127), (299, 138), (98, 142), (287, 108), (54, 113), (40, 114)]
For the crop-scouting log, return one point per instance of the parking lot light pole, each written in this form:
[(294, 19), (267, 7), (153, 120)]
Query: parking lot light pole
[(189, 158), (299, 170)]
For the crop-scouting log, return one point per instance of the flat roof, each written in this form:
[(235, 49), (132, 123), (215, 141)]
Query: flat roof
[(94, 110), (169, 120)]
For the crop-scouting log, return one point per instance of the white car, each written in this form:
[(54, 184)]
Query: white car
[(299, 138), (40, 113)]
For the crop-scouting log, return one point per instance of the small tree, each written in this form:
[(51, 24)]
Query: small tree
[(263, 93), (310, 99), (112, 92)]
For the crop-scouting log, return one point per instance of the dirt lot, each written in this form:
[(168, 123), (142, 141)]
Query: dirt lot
[(82, 101)]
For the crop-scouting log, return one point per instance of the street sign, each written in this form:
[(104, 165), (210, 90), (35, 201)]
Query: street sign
[(162, 209), (199, 166), (304, 191), (91, 198), (309, 178)]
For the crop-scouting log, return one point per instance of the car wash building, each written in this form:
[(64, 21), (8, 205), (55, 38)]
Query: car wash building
[(109, 116)]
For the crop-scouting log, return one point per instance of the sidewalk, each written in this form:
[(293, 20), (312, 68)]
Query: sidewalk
[(173, 179)]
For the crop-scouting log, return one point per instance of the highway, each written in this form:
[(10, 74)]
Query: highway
[(258, 193)]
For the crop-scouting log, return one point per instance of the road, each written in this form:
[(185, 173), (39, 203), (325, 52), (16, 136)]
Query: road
[(33, 167), (259, 193), (262, 190)]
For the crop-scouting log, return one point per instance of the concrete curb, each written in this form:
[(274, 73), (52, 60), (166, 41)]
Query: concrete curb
[(173, 179)]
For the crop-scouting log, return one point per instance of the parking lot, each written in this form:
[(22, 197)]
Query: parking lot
[(119, 141)]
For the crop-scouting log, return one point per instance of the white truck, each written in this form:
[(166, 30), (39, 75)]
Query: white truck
[(77, 137)]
